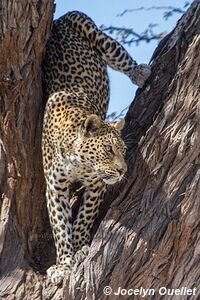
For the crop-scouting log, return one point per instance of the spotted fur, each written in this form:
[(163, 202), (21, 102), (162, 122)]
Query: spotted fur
[(78, 145)]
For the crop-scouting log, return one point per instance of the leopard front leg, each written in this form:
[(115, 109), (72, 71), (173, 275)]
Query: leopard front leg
[(92, 198), (61, 223)]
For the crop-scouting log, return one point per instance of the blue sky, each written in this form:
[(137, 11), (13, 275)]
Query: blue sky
[(105, 12)]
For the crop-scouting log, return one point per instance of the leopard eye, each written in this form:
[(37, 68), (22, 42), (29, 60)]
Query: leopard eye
[(109, 149)]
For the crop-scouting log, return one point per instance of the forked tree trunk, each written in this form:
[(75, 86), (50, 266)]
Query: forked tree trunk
[(149, 231)]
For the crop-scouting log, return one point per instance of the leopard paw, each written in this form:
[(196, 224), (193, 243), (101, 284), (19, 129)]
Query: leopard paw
[(57, 273), (140, 74), (81, 254)]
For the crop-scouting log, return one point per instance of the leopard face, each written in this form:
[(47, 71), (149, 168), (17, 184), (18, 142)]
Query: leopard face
[(100, 147)]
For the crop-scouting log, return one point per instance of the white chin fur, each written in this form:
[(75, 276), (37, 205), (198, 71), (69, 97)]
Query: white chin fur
[(111, 181)]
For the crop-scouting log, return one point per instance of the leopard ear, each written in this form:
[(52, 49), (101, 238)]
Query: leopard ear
[(91, 125), (119, 125)]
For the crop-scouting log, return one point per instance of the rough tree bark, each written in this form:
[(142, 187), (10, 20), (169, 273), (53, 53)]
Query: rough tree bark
[(24, 29), (149, 231)]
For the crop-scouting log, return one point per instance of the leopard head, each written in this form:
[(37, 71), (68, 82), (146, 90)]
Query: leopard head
[(100, 147)]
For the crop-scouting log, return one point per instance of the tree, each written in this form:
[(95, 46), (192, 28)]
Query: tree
[(147, 234), (24, 29)]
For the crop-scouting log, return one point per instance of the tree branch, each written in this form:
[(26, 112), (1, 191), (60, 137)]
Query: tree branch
[(128, 36)]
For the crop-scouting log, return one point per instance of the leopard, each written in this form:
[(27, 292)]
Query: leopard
[(78, 144)]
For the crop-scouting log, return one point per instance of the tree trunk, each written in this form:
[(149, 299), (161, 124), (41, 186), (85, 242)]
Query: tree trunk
[(24, 29), (149, 232)]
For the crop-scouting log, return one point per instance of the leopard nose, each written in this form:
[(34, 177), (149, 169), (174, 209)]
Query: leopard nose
[(121, 169)]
